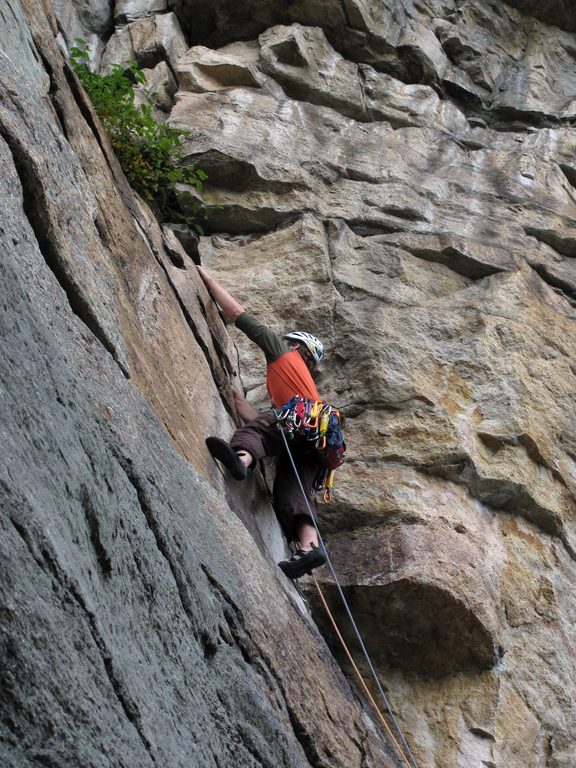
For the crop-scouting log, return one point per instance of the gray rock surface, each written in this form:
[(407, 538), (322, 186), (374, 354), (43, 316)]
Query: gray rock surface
[(400, 179), (143, 622), (129, 10), (84, 17)]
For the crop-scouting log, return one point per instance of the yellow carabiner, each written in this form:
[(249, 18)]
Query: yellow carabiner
[(316, 408), (328, 485), (315, 412)]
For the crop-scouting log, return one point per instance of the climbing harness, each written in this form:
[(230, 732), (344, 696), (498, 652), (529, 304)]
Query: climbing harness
[(405, 752), (319, 423)]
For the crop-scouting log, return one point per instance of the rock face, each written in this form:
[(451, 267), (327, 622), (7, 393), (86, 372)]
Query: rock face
[(143, 623), (399, 178), (554, 12)]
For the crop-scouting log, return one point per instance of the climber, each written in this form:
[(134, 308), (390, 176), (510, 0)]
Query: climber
[(292, 361)]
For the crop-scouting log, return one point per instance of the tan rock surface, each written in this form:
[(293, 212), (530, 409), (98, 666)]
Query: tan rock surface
[(445, 264), (201, 69), (489, 54), (148, 40), (160, 87)]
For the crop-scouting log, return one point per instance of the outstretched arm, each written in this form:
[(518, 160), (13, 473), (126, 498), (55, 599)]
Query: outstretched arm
[(232, 309)]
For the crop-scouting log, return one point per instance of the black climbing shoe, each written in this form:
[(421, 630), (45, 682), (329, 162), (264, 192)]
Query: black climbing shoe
[(303, 562), (228, 456)]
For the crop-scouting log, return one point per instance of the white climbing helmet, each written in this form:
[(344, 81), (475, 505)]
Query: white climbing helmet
[(314, 345)]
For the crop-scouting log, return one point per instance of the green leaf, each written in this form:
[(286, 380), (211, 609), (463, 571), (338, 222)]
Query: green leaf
[(149, 152)]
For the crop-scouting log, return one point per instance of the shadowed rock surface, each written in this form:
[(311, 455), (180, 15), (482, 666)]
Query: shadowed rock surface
[(555, 12), (399, 178)]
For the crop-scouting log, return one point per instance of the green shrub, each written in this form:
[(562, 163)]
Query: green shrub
[(149, 152)]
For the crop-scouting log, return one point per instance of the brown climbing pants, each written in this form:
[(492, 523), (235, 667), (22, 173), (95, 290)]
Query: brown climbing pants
[(262, 438)]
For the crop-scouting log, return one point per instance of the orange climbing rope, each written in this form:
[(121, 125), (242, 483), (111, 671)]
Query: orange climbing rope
[(359, 675), (411, 762)]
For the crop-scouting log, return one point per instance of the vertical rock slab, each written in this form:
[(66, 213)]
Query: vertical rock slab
[(400, 178), (140, 623)]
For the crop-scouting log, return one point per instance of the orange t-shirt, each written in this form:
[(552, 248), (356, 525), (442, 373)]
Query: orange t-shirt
[(288, 376)]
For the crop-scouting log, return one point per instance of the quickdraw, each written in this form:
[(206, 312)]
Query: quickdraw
[(320, 423)]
